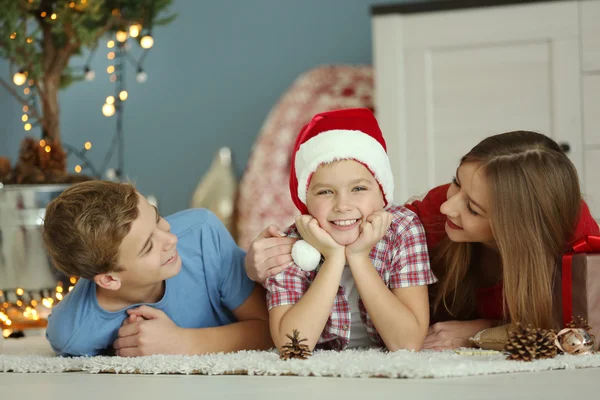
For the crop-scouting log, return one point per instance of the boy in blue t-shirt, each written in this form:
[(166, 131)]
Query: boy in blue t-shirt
[(149, 285)]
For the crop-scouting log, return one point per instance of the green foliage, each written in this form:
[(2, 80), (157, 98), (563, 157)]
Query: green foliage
[(39, 36)]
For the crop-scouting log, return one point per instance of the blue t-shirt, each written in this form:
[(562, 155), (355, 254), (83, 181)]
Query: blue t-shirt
[(212, 282)]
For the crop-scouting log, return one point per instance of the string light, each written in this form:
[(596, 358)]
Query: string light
[(24, 118), (77, 168), (29, 40), (87, 145), (43, 14), (134, 30), (42, 143), (27, 126), (110, 44), (26, 90), (53, 16), (47, 149), (111, 55), (19, 292), (73, 280), (13, 35), (72, 4), (147, 42), (25, 109), (121, 36), (89, 74), (108, 110), (110, 69), (59, 296), (113, 78), (110, 100), (30, 82), (123, 95), (19, 78), (141, 76)]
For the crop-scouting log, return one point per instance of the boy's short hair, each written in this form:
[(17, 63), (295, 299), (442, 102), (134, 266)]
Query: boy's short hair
[(85, 225)]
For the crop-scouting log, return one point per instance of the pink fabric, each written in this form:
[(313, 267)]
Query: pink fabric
[(264, 196)]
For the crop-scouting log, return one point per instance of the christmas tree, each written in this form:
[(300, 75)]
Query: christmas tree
[(39, 37)]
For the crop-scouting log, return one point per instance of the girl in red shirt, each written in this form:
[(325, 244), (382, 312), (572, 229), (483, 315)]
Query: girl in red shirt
[(495, 235)]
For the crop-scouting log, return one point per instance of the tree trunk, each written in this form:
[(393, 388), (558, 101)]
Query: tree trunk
[(51, 123)]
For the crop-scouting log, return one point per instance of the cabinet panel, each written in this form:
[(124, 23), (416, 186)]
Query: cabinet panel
[(591, 186), (590, 30), (591, 109)]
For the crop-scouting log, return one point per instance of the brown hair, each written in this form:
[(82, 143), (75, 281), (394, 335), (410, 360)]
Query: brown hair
[(535, 202), (85, 225)]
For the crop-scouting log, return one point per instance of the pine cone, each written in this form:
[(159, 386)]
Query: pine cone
[(527, 344), (5, 169), (29, 153), (579, 323), (294, 348)]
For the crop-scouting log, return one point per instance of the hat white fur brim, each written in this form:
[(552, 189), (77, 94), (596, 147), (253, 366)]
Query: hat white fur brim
[(338, 145)]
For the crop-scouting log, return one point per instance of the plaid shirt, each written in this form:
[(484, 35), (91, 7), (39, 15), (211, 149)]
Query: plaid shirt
[(400, 258)]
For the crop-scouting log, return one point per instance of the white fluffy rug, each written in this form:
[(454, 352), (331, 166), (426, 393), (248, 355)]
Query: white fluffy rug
[(33, 355)]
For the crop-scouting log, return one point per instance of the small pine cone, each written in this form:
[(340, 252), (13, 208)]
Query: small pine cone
[(295, 348), (545, 347), (579, 323), (29, 153), (5, 169), (521, 344)]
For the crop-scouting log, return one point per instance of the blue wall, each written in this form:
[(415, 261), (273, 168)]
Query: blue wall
[(214, 74)]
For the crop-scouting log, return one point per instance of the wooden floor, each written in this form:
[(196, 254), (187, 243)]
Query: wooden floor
[(564, 385)]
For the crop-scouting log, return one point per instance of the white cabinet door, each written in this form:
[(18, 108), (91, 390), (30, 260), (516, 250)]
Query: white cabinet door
[(446, 80), (590, 31)]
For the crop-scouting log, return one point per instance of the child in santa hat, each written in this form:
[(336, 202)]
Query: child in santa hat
[(361, 271)]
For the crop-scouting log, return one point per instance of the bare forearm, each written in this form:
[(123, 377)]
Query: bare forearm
[(311, 313), (397, 325), (243, 335)]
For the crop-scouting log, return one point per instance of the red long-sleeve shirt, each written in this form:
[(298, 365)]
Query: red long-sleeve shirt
[(489, 299)]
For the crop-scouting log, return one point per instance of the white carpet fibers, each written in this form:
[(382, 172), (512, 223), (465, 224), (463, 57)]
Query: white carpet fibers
[(34, 356)]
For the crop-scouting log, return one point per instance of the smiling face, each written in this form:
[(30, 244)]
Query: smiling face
[(467, 206), (148, 252), (340, 196)]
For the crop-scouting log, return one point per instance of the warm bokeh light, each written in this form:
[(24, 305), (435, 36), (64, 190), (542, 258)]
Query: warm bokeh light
[(123, 95), (121, 36), (78, 168), (87, 145), (19, 78), (47, 148), (147, 42)]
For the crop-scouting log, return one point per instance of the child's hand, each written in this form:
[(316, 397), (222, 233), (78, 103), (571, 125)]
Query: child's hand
[(132, 318), (317, 237), (371, 231)]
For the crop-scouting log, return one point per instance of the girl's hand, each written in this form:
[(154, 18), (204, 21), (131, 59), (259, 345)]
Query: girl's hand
[(317, 237), (454, 334), (371, 231)]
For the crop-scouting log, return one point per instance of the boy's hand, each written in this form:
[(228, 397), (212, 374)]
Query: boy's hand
[(154, 334), (317, 237), (131, 318), (371, 231)]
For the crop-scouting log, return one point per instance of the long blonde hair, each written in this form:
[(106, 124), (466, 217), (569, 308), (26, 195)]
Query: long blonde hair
[(535, 201)]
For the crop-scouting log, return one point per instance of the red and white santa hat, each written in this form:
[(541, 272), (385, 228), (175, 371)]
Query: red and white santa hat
[(351, 134)]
